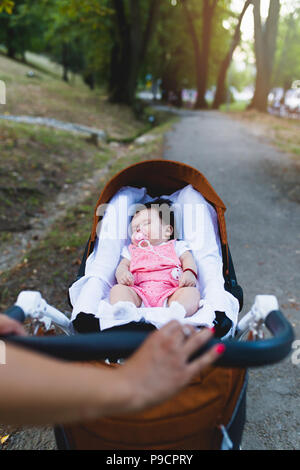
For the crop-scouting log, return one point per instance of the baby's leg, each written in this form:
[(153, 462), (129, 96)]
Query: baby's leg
[(125, 293), (189, 297)]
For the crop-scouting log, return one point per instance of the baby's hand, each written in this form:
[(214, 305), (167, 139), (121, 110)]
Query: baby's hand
[(125, 277), (187, 279)]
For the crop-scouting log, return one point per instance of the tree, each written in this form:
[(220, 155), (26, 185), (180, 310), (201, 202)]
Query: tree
[(169, 57), (208, 39), (219, 97), (76, 36), (6, 5), (117, 34), (20, 24), (62, 41), (265, 36), (132, 32), (201, 53), (287, 64)]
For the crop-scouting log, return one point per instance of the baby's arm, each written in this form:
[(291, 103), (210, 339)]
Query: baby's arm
[(123, 275), (187, 261)]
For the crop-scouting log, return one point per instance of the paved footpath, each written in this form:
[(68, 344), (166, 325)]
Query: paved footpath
[(263, 225)]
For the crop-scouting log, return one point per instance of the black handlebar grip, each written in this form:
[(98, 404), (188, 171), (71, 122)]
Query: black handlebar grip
[(262, 352), (114, 345)]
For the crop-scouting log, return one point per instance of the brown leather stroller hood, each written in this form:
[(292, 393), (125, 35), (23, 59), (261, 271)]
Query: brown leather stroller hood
[(161, 176)]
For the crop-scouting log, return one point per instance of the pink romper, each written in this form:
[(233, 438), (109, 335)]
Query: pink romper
[(153, 279)]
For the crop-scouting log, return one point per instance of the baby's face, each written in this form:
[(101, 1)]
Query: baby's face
[(150, 224)]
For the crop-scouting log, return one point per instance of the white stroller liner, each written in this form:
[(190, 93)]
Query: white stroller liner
[(190, 208)]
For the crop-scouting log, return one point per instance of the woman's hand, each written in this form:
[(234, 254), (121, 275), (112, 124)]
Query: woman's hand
[(8, 326), (187, 279), (160, 367)]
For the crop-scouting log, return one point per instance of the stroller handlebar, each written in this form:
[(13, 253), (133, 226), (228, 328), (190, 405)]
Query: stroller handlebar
[(16, 313), (115, 345)]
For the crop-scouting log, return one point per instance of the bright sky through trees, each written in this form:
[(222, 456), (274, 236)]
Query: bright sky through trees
[(247, 24), (247, 27)]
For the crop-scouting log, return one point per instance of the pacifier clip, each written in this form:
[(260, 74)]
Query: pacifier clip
[(175, 271)]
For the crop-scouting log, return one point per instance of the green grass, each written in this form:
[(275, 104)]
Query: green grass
[(36, 163), (47, 94), (288, 147), (43, 64)]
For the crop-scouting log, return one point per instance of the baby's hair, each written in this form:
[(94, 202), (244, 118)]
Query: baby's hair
[(166, 214)]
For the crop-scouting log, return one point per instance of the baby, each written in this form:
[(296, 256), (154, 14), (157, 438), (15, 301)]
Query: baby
[(156, 268)]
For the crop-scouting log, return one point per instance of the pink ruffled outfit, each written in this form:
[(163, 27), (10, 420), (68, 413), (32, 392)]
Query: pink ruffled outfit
[(156, 270)]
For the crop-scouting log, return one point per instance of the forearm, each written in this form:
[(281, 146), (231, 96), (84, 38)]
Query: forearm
[(38, 390), (35, 389), (123, 267), (187, 261)]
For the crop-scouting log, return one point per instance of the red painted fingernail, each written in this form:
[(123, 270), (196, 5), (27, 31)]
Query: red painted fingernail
[(220, 348)]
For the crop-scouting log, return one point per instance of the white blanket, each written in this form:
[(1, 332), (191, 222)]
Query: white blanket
[(196, 223)]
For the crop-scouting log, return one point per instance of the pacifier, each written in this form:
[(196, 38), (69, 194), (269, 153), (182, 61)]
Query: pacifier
[(140, 239)]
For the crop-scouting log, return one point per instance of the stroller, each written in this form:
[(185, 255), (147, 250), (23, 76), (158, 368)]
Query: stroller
[(210, 412)]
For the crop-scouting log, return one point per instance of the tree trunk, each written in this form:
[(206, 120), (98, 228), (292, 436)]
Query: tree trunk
[(64, 60), (11, 50), (135, 48), (201, 55), (281, 66), (197, 51), (265, 45), (132, 46), (287, 85), (208, 12), (220, 95), (120, 58)]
